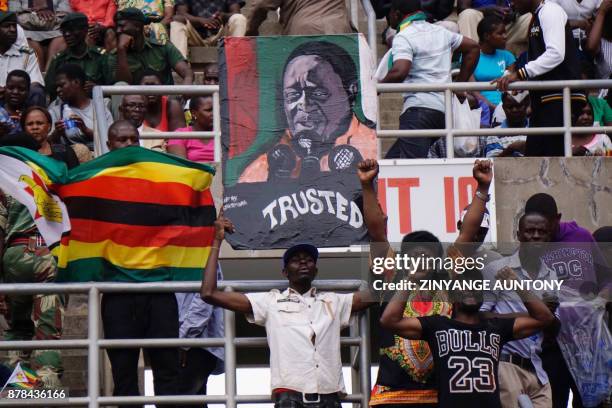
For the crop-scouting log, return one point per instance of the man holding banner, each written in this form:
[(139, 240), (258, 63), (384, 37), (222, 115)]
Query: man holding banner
[(302, 325)]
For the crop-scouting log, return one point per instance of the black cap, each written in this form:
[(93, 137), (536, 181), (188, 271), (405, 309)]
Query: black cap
[(130, 13), (310, 249), (6, 16), (75, 20)]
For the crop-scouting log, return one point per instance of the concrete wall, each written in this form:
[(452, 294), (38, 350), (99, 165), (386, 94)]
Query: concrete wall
[(581, 186)]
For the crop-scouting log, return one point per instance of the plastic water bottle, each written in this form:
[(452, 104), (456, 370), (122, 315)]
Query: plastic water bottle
[(71, 130)]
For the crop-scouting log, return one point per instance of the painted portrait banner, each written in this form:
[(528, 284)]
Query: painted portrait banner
[(297, 114)]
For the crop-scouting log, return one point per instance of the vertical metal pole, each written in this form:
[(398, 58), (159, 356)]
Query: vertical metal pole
[(448, 123), (567, 121), (364, 357), (355, 353), (355, 13), (217, 126), (230, 357), (101, 124), (371, 15), (93, 356)]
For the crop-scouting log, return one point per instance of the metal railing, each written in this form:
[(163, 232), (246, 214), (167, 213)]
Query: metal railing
[(359, 338)]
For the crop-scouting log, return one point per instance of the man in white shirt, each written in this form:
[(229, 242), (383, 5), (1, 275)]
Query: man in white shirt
[(421, 54), (552, 56), (302, 325), (133, 108), (15, 54)]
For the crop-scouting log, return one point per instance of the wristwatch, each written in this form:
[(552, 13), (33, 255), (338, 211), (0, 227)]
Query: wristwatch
[(484, 197)]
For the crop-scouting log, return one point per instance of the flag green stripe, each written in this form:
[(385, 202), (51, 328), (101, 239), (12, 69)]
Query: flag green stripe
[(56, 170), (130, 155), (99, 269)]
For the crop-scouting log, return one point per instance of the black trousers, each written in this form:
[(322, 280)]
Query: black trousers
[(286, 400), (545, 115), (134, 316), (416, 147), (194, 371)]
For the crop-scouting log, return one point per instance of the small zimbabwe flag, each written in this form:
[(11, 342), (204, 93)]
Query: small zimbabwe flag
[(137, 216), (22, 377)]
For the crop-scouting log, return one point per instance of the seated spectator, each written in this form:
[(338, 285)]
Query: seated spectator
[(132, 109), (413, 62), (163, 113), (517, 26), (211, 77), (494, 59), (515, 109), (158, 15), (203, 23), (76, 106), (14, 104), (92, 59), (303, 17), (14, 54), (41, 19), (135, 53), (198, 150), (587, 144), (99, 14), (602, 113), (599, 42), (36, 123), (580, 14)]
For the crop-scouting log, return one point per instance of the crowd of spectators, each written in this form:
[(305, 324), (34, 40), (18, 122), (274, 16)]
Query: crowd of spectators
[(79, 44)]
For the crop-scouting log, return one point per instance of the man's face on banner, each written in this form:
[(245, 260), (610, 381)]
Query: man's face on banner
[(314, 98)]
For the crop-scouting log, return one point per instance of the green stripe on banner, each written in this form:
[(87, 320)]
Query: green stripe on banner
[(130, 155), (56, 170), (99, 269)]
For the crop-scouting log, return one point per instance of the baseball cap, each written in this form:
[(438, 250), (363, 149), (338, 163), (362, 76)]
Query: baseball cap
[(74, 19), (6, 16), (486, 218), (130, 13), (310, 249)]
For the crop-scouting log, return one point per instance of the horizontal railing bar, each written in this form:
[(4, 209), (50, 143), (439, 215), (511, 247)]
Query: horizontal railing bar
[(43, 344), (178, 135), (155, 287), (486, 86), (44, 402), (490, 131), (141, 400), (148, 343), (189, 90)]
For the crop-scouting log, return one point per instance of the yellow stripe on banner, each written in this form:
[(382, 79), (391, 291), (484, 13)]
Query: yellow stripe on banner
[(199, 180), (43, 175), (136, 257)]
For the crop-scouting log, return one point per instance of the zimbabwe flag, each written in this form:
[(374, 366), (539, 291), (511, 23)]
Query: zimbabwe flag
[(136, 215)]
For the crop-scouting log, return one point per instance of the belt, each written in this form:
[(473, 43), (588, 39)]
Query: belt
[(33, 241), (524, 363), (306, 398)]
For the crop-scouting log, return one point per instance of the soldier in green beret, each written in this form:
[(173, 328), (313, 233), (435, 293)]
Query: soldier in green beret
[(92, 59), (135, 53)]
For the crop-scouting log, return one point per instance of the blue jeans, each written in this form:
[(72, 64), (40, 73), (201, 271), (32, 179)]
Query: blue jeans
[(416, 147)]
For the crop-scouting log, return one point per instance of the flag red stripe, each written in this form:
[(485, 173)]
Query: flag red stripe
[(137, 190), (141, 236)]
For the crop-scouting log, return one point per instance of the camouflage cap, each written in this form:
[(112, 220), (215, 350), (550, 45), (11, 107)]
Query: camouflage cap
[(6, 16), (130, 13), (74, 20)]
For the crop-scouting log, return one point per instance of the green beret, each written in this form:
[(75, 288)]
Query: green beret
[(130, 13), (7, 16), (75, 20)]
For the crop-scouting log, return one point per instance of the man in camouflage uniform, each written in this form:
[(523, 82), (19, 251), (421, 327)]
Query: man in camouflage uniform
[(92, 59), (26, 259)]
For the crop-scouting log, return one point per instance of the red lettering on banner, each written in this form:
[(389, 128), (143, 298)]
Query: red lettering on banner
[(449, 204), (382, 194), (466, 194), (403, 186)]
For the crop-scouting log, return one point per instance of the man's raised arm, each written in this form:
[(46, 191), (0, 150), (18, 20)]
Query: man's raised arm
[(238, 302)]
